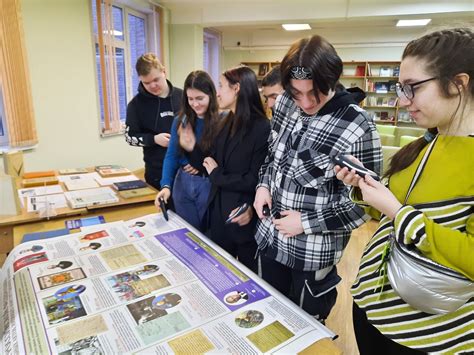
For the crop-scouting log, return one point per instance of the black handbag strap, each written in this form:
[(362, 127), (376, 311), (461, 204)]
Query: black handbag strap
[(420, 168)]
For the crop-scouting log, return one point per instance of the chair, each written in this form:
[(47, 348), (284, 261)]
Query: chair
[(407, 131), (385, 129), (388, 152), (404, 140), (387, 139)]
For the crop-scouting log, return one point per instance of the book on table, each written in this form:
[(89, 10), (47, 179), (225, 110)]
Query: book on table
[(38, 174), (91, 197), (42, 181), (129, 185), (73, 171), (112, 170), (136, 192)]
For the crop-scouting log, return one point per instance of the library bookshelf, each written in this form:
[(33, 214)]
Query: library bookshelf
[(377, 79)]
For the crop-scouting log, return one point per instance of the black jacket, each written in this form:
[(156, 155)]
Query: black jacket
[(234, 180), (144, 121)]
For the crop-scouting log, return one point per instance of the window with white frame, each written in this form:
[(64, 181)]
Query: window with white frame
[(211, 55), (125, 32)]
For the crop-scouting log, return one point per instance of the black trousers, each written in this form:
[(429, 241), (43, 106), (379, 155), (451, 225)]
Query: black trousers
[(237, 241), (315, 297), (371, 341)]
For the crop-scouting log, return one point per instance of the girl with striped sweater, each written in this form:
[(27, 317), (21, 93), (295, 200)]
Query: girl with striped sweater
[(437, 88)]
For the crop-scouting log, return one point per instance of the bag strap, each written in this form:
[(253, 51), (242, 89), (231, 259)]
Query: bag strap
[(420, 168)]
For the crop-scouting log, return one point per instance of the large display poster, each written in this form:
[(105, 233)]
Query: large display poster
[(142, 286)]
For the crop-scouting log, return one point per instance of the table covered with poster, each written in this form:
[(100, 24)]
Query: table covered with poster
[(140, 286)]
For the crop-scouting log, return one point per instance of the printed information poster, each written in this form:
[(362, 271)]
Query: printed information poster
[(143, 286)]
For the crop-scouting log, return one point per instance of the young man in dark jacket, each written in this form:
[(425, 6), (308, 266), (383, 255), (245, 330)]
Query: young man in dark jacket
[(150, 115)]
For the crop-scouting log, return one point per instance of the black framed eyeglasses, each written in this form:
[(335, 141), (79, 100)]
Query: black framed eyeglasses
[(408, 90)]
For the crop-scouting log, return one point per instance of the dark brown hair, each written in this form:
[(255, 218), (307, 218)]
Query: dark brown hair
[(319, 56), (249, 105), (446, 53), (200, 80), (146, 63)]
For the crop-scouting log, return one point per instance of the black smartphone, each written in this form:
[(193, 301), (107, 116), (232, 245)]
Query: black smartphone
[(163, 208), (344, 162), (184, 122), (237, 213), (266, 210)]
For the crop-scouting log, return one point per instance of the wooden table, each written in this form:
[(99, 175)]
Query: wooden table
[(8, 224)]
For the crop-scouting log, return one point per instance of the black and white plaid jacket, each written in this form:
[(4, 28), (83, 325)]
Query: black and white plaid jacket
[(299, 174)]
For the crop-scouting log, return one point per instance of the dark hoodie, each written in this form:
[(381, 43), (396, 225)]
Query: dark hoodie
[(343, 97), (147, 116)]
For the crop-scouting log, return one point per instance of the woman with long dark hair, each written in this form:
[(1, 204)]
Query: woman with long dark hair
[(238, 152), (190, 186)]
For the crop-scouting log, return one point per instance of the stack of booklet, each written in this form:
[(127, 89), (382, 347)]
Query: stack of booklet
[(91, 197)]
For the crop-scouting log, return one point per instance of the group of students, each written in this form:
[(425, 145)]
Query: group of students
[(220, 151)]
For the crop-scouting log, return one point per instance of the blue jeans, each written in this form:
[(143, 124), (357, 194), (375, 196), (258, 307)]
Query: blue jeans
[(190, 194)]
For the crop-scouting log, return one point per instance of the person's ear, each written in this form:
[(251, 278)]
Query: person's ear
[(461, 81), (236, 88)]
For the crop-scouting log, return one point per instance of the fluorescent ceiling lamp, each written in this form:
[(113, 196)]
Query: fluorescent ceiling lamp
[(423, 22), (296, 26)]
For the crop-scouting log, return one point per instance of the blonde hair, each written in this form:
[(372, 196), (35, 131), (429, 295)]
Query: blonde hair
[(146, 63)]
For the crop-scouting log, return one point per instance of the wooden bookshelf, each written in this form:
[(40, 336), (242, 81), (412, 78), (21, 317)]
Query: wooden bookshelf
[(260, 68), (378, 82)]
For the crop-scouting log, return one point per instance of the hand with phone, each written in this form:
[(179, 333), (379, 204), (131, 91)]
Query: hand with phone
[(352, 164), (241, 215), (262, 199), (163, 208)]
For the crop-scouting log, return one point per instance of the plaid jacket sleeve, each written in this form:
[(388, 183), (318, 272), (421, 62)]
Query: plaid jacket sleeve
[(279, 114), (344, 214)]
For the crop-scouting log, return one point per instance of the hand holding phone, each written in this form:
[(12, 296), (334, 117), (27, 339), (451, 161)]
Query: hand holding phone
[(163, 208), (237, 213), (266, 210), (344, 162)]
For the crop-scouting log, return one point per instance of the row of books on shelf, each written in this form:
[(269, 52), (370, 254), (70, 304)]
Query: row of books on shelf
[(381, 101), (360, 71), (389, 116), (84, 187), (381, 87), (383, 70)]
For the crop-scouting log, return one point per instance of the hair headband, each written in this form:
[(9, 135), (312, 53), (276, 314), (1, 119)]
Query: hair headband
[(300, 73)]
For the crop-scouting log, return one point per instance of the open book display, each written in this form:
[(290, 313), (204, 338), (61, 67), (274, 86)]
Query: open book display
[(144, 286)]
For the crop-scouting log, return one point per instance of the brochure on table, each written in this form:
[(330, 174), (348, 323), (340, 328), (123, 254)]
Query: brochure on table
[(142, 286)]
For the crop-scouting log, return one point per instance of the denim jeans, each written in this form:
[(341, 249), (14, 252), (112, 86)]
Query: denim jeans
[(190, 194)]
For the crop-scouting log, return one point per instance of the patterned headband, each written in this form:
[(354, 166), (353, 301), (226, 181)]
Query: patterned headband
[(300, 73)]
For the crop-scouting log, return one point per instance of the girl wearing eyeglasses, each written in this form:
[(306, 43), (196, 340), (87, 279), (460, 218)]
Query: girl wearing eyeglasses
[(436, 217)]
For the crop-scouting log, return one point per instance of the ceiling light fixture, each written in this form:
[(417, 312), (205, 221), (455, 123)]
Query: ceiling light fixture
[(296, 26), (405, 23)]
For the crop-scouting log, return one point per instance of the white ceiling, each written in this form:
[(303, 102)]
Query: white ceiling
[(257, 23), (230, 13)]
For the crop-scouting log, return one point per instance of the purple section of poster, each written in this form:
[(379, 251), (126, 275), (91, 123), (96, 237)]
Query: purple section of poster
[(222, 282)]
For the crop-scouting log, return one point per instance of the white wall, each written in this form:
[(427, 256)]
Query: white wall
[(186, 51), (61, 63)]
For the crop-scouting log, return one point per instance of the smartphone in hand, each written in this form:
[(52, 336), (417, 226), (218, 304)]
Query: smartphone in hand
[(237, 213), (184, 122), (344, 162), (163, 208)]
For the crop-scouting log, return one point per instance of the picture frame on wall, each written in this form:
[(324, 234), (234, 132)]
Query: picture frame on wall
[(262, 69)]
